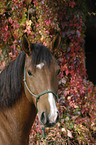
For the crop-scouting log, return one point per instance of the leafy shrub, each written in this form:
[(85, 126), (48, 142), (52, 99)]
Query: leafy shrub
[(42, 19)]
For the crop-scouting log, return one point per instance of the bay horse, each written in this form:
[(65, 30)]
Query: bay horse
[(28, 85)]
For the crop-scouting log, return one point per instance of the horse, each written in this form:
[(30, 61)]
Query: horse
[(28, 85)]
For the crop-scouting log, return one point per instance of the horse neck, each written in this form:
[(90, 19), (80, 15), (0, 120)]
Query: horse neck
[(19, 120)]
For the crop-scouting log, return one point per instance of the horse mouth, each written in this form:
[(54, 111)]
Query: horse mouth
[(50, 124)]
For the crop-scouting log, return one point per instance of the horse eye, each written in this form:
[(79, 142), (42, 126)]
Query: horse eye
[(29, 72)]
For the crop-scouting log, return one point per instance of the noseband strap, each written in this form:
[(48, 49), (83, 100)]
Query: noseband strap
[(39, 95)]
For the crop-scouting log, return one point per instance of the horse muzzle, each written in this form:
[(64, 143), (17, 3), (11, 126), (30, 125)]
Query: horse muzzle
[(49, 121)]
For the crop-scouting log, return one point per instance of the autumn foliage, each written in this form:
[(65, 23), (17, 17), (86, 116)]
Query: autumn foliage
[(42, 20)]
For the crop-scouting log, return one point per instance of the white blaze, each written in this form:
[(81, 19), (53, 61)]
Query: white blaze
[(53, 108), (40, 65)]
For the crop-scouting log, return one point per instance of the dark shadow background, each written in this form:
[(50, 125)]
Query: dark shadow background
[(90, 41)]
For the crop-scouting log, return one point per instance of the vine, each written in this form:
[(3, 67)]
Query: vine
[(42, 19)]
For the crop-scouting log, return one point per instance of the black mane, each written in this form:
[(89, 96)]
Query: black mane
[(11, 77), (11, 81)]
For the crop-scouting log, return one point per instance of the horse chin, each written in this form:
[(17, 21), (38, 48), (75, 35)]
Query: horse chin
[(50, 124)]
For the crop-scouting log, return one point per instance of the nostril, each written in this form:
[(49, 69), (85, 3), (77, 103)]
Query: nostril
[(43, 118), (57, 117)]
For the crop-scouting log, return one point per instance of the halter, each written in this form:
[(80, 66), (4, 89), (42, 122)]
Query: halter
[(37, 97)]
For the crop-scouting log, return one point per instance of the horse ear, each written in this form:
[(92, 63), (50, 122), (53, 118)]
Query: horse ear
[(55, 42), (26, 44)]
